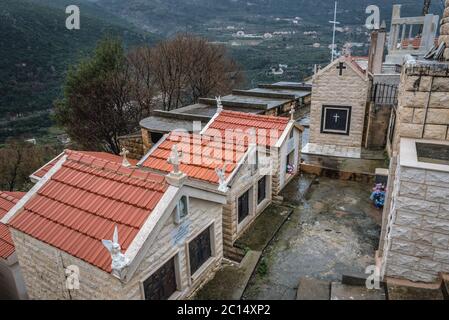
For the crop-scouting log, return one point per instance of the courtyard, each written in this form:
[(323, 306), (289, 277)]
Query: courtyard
[(332, 229)]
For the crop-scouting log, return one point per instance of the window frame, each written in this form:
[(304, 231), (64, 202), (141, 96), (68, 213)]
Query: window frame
[(177, 214), (260, 201), (331, 131), (153, 269), (197, 274)]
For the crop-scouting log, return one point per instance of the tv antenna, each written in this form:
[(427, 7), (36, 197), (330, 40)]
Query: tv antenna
[(334, 22)]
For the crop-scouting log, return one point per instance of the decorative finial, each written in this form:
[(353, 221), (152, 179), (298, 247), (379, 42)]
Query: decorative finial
[(175, 159), (125, 161), (221, 179), (292, 113), (219, 104), (119, 261)]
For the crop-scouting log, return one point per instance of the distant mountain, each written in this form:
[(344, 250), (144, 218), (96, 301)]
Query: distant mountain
[(35, 51), (169, 16)]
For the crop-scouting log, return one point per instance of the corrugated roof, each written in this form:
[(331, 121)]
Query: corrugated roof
[(202, 154), (84, 200), (7, 201), (101, 155)]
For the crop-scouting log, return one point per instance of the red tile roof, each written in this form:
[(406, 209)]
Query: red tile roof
[(84, 200), (101, 155), (202, 154), (7, 201), (268, 128), (195, 162)]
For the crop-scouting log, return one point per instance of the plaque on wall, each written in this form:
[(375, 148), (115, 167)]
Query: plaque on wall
[(336, 120)]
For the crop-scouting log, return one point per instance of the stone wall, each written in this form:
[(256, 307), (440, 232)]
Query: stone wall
[(43, 266), (232, 229), (423, 106), (329, 88), (134, 144), (377, 126), (444, 30), (424, 102), (419, 224)]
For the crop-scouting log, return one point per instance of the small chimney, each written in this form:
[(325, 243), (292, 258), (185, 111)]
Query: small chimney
[(377, 49), (444, 31)]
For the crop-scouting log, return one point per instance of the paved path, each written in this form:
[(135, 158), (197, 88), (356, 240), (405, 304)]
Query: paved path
[(334, 230)]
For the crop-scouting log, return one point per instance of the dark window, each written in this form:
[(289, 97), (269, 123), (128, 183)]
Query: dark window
[(183, 207), (291, 134), (200, 250), (261, 190), (243, 206), (290, 168), (336, 120), (161, 284), (155, 137)]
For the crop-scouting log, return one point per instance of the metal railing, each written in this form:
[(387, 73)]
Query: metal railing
[(384, 94)]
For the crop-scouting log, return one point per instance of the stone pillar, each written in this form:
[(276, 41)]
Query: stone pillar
[(444, 31)]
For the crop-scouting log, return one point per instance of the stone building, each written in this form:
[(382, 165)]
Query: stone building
[(258, 154), (166, 233), (12, 285), (337, 117), (415, 232), (267, 99)]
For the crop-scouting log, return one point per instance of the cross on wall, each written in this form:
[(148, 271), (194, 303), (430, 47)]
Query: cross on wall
[(336, 117), (341, 67)]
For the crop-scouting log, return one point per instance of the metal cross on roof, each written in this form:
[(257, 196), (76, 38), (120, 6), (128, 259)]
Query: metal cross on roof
[(334, 22)]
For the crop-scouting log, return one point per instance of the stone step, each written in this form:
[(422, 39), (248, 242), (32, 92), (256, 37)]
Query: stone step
[(401, 292), (313, 289), (341, 291)]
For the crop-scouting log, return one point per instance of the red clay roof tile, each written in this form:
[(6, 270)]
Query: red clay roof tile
[(84, 200), (222, 144), (96, 158), (7, 201)]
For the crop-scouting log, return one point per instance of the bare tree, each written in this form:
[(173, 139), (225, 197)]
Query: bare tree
[(188, 67), (142, 80), (20, 159)]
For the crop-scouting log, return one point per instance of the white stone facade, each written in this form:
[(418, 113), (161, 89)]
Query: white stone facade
[(332, 89), (415, 220), (43, 266), (417, 246)]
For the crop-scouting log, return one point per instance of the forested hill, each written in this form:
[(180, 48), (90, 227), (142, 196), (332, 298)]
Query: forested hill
[(169, 16), (36, 50)]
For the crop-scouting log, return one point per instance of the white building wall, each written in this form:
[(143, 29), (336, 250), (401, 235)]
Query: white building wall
[(417, 246), (43, 266)]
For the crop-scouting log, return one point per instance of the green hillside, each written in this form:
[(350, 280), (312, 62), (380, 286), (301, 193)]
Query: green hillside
[(35, 52), (169, 16)]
